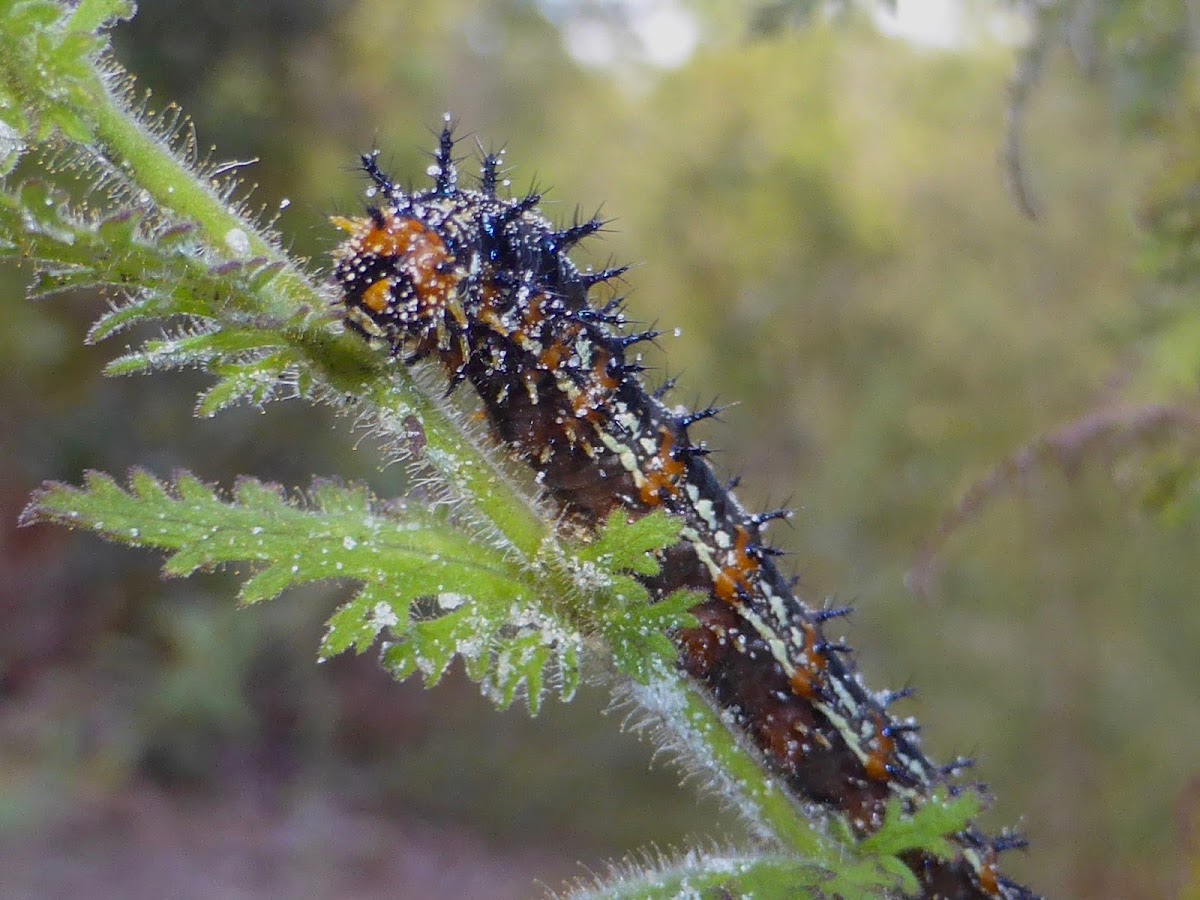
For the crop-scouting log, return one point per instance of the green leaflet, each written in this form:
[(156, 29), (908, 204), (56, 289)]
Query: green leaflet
[(635, 627), (164, 274), (924, 829), (338, 535), (403, 556), (46, 67), (627, 546), (430, 588)]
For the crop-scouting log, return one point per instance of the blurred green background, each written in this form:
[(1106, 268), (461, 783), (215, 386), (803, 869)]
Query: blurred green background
[(818, 205)]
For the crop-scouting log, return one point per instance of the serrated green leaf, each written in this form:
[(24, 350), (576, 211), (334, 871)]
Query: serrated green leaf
[(149, 488), (261, 275), (478, 666), (333, 497), (250, 382), (521, 662), (293, 544), (570, 673), (436, 642), (359, 622), (260, 495), (176, 235), (49, 67), (926, 828), (408, 554), (42, 208), (870, 879), (121, 227), (625, 546), (203, 349), (272, 581), (638, 635), (534, 677), (12, 148), (399, 660), (897, 870), (192, 490), (165, 270), (147, 306)]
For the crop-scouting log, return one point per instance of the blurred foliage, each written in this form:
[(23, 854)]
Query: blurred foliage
[(821, 211)]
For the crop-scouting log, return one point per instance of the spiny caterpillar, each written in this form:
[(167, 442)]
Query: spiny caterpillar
[(484, 284)]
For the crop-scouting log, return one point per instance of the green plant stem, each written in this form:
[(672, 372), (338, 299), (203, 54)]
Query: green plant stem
[(472, 474), (705, 734), (129, 145)]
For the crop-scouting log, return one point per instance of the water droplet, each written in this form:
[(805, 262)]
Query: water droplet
[(238, 242), (451, 601)]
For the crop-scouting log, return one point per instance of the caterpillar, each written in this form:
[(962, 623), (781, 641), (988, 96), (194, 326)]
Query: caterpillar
[(485, 285)]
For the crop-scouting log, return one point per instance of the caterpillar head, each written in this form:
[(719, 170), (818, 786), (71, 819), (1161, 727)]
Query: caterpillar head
[(400, 281)]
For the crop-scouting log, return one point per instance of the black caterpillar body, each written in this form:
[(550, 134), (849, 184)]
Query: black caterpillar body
[(485, 284)]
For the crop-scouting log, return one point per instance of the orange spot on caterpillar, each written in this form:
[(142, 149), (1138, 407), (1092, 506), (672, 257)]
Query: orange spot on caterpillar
[(552, 357), (534, 314), (807, 681), (878, 759), (813, 658), (706, 645), (805, 684), (396, 237), (782, 732), (601, 374), (673, 469), (664, 471), (433, 280), (734, 579), (745, 561), (378, 295), (417, 250), (725, 586), (583, 405), (989, 877), (489, 301), (586, 403)]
